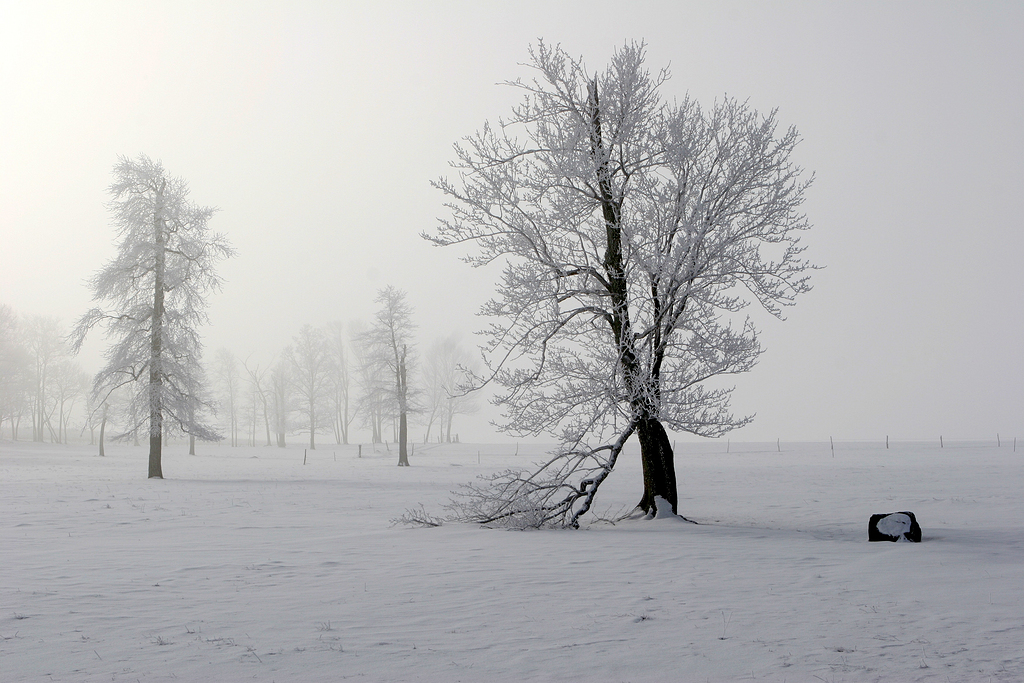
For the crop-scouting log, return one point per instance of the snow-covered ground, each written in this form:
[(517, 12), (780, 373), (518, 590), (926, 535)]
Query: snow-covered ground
[(245, 564)]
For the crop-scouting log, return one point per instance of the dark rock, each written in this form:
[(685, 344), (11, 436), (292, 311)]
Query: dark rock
[(894, 526)]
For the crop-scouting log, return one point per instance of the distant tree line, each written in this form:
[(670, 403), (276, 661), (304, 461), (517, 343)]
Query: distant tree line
[(43, 390), (151, 302), (338, 379), (332, 379)]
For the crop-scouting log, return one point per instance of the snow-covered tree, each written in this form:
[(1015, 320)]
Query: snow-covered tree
[(633, 231), (156, 290), (389, 340)]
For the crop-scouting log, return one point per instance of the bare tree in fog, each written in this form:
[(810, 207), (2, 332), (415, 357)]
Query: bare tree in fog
[(96, 414), (229, 385), (339, 382), (281, 400), (447, 379), (156, 289), (434, 393), (374, 384), (15, 371), (259, 392), (633, 230), (101, 410), (43, 339), (310, 371), (69, 382), (390, 336)]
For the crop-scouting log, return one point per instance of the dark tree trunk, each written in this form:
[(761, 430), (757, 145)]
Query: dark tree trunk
[(103, 427), (403, 426), (156, 427), (642, 384), (403, 435), (344, 423), (266, 421), (191, 444), (655, 448), (155, 445), (38, 412), (658, 466)]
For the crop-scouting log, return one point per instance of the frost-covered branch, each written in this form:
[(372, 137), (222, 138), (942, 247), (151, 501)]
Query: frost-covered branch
[(556, 493)]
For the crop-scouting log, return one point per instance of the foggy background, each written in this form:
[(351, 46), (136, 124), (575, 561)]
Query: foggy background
[(316, 128)]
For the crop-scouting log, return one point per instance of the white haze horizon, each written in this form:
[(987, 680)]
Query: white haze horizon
[(316, 129)]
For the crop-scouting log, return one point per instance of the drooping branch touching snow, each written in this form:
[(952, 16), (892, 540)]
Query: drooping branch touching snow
[(556, 493)]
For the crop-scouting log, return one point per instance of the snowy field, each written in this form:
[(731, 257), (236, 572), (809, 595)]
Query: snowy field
[(245, 564)]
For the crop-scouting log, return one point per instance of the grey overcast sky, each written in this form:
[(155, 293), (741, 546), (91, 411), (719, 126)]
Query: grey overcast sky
[(317, 126)]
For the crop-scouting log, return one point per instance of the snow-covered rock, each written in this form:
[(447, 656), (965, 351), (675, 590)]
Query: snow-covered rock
[(896, 526)]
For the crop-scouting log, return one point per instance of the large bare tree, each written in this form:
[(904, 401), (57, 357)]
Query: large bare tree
[(156, 290), (633, 231)]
